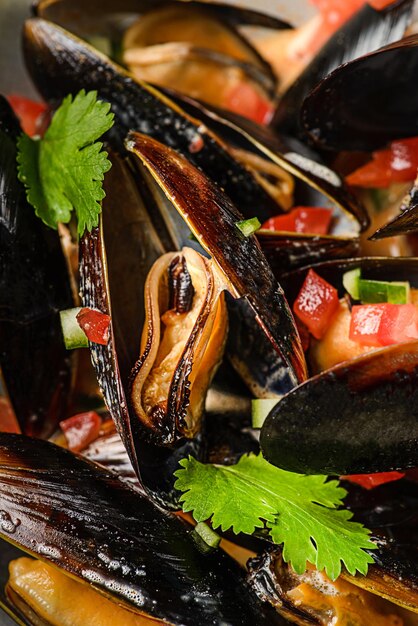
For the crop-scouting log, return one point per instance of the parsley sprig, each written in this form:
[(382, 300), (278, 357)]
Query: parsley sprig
[(301, 512), (64, 170)]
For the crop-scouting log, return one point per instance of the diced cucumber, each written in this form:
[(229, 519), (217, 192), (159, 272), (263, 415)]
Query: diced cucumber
[(373, 291), (351, 282), (208, 535), (74, 336), (260, 408), (399, 292), (248, 227)]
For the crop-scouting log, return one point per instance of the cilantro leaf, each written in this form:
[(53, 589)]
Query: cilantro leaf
[(300, 511), (65, 169)]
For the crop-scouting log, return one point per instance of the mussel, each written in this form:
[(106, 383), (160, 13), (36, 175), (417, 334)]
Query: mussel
[(349, 123), (369, 100), (140, 557), (375, 426), (238, 265), (34, 287), (368, 30), (390, 511)]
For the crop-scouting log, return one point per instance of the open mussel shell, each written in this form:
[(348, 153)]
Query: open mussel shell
[(368, 101), (359, 416), (406, 223), (173, 45), (60, 63), (104, 17), (313, 599), (391, 512), (115, 261), (52, 505), (34, 287), (368, 30), (314, 185), (212, 218)]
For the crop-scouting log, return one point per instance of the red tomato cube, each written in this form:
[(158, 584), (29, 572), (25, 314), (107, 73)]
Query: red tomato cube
[(312, 220), (370, 481), (246, 100), (28, 112), (81, 429), (316, 304), (399, 323), (302, 219), (95, 324), (285, 222), (365, 323)]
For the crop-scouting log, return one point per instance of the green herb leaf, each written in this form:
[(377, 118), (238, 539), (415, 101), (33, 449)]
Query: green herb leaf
[(300, 511), (64, 171)]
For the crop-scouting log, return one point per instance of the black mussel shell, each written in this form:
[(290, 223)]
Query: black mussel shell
[(360, 416), (34, 287), (115, 260), (60, 63), (368, 30), (288, 251), (252, 354), (79, 517), (391, 511), (369, 101)]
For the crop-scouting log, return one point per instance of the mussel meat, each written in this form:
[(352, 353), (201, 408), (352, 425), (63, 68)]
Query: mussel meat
[(183, 296)]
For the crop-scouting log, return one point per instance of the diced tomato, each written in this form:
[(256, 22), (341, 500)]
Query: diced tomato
[(81, 429), (302, 219), (28, 112), (286, 222), (248, 102), (365, 323), (370, 481), (8, 421), (316, 304), (383, 324), (399, 323), (396, 164), (95, 324)]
